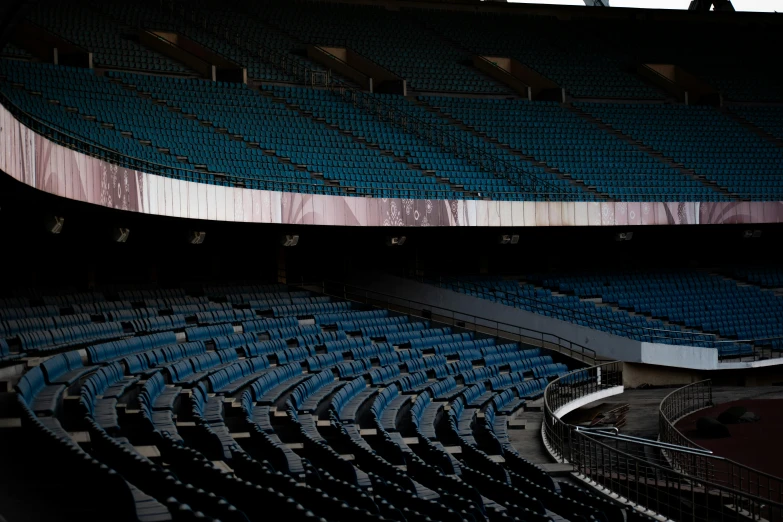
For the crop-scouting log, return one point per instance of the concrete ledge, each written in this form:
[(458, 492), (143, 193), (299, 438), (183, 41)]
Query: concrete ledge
[(571, 406), (587, 399)]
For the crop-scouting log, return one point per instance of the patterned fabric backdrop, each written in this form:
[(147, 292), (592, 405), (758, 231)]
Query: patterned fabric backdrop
[(40, 163)]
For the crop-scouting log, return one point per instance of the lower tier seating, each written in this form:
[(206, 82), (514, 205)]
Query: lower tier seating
[(314, 420)]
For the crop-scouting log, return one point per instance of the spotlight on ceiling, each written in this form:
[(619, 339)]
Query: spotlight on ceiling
[(748, 234), (55, 224), (289, 240), (395, 240), (507, 239), (196, 237), (120, 235)]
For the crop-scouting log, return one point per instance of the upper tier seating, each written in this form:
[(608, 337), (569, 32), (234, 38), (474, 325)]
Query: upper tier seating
[(292, 433), (589, 57), (385, 37), (767, 118), (556, 49), (564, 140), (702, 138), (100, 35), (742, 84), (766, 277), (230, 134), (109, 103), (257, 67), (417, 150), (11, 50)]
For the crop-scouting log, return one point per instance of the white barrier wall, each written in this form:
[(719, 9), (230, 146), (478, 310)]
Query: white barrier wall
[(608, 346)]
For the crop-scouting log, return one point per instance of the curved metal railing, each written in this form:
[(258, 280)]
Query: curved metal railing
[(558, 435), (617, 466), (689, 399)]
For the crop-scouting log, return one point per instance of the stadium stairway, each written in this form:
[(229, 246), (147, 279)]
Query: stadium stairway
[(358, 138), (652, 152), (735, 115), (769, 279), (552, 170), (254, 27)]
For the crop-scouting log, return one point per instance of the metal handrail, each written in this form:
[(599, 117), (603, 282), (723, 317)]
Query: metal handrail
[(679, 403), (646, 485), (654, 487), (470, 322), (566, 389), (654, 333), (685, 401)]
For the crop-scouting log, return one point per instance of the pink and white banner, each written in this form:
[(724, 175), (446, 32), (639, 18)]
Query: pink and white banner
[(47, 166)]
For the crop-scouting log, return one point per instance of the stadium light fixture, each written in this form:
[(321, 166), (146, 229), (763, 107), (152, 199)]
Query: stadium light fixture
[(290, 240), (55, 224), (196, 237), (120, 235)]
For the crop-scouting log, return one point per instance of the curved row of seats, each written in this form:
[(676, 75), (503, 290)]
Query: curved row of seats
[(297, 151), (577, 307), (705, 140), (699, 300), (561, 138)]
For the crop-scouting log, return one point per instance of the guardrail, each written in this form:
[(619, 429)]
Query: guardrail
[(677, 405), (568, 388), (611, 465), (689, 399), (470, 322), (617, 465)]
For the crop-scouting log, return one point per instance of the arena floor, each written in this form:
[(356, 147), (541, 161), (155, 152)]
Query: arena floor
[(750, 444)]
